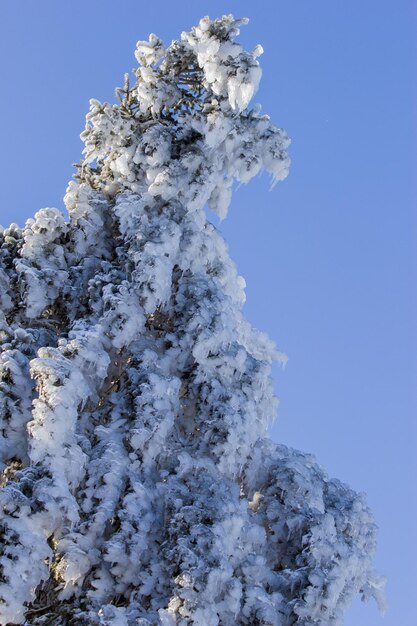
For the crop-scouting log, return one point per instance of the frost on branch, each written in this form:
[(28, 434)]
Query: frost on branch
[(138, 482)]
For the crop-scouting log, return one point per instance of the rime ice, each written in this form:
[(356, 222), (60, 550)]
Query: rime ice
[(139, 484)]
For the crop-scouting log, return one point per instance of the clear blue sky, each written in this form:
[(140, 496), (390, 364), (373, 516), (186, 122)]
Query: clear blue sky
[(328, 255)]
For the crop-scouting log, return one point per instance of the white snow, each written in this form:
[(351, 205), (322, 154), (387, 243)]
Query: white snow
[(135, 397)]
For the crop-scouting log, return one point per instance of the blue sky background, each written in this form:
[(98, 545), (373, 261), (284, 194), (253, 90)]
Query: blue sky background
[(329, 255)]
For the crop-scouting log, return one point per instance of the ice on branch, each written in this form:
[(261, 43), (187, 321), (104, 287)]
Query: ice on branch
[(139, 485)]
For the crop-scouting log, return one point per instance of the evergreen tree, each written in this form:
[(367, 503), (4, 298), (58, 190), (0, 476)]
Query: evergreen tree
[(139, 485)]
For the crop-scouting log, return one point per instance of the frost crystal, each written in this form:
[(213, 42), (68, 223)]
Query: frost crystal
[(139, 485)]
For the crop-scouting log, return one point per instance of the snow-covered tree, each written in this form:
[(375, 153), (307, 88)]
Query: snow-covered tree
[(139, 485)]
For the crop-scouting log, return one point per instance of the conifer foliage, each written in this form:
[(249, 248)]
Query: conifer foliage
[(139, 485)]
